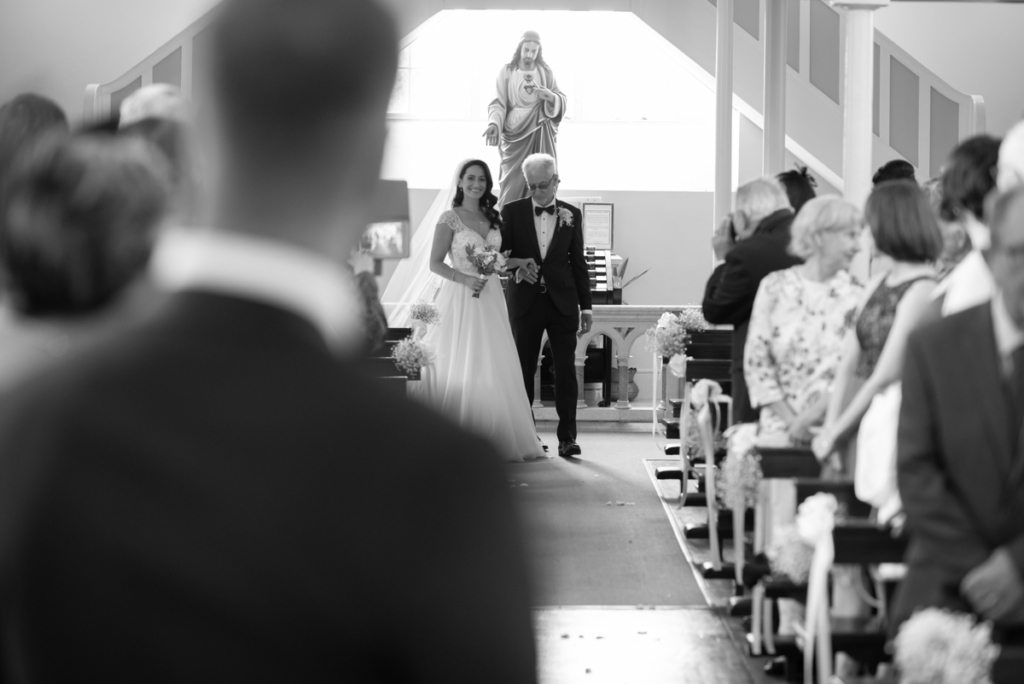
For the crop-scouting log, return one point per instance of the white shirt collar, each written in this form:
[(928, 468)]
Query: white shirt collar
[(969, 284), (268, 271), (1008, 336)]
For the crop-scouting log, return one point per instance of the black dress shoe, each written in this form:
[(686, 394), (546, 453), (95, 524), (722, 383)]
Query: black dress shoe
[(567, 449), (543, 445)]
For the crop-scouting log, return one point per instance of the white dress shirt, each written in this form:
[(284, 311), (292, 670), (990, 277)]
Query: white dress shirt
[(969, 284), (268, 271), (545, 225)]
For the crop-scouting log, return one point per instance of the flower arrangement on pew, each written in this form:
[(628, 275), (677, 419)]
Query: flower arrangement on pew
[(411, 355), (792, 547), (942, 647), (425, 312), (669, 337), (740, 476)]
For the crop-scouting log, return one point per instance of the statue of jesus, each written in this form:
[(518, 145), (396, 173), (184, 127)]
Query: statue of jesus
[(525, 114)]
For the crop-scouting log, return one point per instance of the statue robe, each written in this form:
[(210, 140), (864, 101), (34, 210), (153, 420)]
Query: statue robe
[(527, 124)]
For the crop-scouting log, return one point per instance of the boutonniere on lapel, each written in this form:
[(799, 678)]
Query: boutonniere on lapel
[(564, 217)]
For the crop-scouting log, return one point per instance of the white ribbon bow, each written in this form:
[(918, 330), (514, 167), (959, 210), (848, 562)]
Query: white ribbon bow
[(815, 520)]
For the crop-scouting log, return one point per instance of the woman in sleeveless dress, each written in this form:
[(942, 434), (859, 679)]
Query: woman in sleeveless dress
[(475, 379), (905, 231)]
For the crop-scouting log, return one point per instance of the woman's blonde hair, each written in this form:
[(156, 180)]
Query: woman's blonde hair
[(821, 214)]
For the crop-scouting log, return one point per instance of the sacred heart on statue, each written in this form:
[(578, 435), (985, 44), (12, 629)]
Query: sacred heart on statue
[(529, 86)]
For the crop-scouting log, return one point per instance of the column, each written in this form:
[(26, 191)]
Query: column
[(857, 94), (773, 157), (723, 114)]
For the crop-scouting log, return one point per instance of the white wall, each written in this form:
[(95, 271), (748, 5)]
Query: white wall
[(976, 47), (57, 47)]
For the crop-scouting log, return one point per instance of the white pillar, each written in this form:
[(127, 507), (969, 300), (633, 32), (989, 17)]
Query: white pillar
[(857, 110), (773, 156), (723, 113)]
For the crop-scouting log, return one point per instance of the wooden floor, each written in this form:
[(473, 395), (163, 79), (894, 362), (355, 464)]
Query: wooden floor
[(638, 646)]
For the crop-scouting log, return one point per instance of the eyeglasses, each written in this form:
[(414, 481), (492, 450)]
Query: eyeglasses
[(543, 186)]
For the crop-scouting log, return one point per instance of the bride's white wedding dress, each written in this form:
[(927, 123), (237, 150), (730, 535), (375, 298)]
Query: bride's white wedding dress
[(476, 378)]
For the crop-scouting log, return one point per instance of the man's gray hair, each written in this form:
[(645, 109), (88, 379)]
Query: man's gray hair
[(539, 160), (761, 197)]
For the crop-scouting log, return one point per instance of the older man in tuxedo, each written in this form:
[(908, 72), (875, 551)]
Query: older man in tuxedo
[(960, 456), (554, 295), (215, 496)]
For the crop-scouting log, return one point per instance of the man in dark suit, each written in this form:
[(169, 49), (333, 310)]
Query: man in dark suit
[(555, 296), (752, 242), (960, 458), (214, 495)]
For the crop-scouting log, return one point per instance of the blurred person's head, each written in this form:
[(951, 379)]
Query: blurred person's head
[(1010, 171), (170, 138), (79, 221), (956, 243), (22, 121), (903, 226), (155, 101), (755, 201), (897, 169), (968, 177), (827, 229), (1005, 255), (300, 92), (799, 185)]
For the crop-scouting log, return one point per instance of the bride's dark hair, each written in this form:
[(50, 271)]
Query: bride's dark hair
[(488, 201)]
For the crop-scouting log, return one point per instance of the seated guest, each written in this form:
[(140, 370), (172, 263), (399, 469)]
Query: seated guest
[(956, 243), (799, 185), (905, 230), (960, 462), (799, 321), (171, 139), (897, 169), (968, 178), (196, 490), (752, 242), (22, 121), (80, 216)]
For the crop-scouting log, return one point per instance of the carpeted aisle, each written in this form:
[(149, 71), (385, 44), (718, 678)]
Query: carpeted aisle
[(587, 553)]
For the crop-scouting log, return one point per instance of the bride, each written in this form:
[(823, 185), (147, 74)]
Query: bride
[(476, 378)]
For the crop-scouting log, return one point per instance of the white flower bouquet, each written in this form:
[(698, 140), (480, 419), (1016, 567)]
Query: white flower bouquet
[(942, 647), (487, 261), (411, 355), (425, 312), (792, 546), (740, 476)]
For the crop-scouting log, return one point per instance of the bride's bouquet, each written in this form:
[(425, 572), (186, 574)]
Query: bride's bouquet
[(487, 260)]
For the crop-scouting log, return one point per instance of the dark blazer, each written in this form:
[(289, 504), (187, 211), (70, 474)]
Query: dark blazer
[(214, 497), (729, 294), (564, 269), (960, 464)]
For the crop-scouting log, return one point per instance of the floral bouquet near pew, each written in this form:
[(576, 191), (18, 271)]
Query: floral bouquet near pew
[(411, 355), (792, 546), (425, 312), (942, 647), (740, 475), (670, 336), (487, 260)]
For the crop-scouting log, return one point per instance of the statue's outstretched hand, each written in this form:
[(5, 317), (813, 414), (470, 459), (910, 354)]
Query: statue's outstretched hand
[(491, 135)]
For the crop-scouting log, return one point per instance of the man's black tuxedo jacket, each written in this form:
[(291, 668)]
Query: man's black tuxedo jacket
[(959, 461), (214, 497), (564, 269), (732, 287)]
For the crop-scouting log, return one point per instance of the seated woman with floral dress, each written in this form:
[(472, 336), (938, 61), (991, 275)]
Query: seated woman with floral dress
[(800, 318)]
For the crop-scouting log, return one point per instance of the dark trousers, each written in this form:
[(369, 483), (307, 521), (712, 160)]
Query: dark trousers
[(742, 411), (528, 330)]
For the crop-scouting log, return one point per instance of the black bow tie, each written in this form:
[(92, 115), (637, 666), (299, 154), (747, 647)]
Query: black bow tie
[(537, 211)]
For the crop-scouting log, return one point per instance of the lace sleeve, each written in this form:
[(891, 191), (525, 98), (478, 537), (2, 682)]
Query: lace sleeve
[(450, 219)]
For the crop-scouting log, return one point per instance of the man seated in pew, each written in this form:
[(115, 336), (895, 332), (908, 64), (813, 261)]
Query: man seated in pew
[(752, 242), (960, 458)]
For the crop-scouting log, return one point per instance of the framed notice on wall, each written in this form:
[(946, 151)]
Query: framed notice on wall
[(598, 224)]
